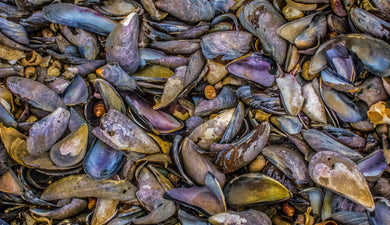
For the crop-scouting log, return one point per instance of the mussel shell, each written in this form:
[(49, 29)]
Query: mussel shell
[(314, 32), (186, 218), (346, 110), (196, 165), (42, 162), (261, 19), (331, 79), (229, 44), (290, 124), (114, 74), (371, 24), (201, 199), (14, 31), (373, 166), (250, 217), (225, 99), (340, 174), (70, 150), (117, 8), (45, 133), (173, 87), (122, 44), (344, 63), (35, 93), (10, 183), (212, 130), (291, 94), (119, 132), (345, 137), (350, 218), (373, 91), (149, 189), (34, 22), (291, 30), (374, 53), (191, 11), (80, 17), (73, 208), (251, 189), (77, 92), (82, 186), (162, 210), (322, 142), (102, 161), (290, 162), (159, 121), (234, 125), (383, 5), (255, 67), (6, 117), (5, 160), (381, 215), (177, 46), (110, 96), (245, 150)]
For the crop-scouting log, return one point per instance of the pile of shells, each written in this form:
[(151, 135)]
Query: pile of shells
[(194, 112)]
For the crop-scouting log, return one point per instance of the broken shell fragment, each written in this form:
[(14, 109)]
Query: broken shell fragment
[(379, 114)]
